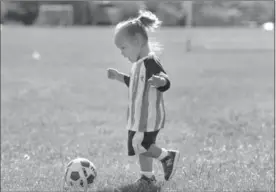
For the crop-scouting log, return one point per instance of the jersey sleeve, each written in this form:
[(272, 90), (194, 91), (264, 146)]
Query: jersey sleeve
[(126, 80), (153, 67)]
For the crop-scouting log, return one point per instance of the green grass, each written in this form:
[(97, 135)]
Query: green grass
[(220, 112)]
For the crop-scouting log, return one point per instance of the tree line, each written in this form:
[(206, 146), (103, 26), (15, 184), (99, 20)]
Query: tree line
[(205, 13)]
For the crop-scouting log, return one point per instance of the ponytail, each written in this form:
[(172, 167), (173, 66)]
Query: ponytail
[(148, 20)]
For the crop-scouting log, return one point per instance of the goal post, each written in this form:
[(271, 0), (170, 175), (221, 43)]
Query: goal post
[(55, 14), (188, 7)]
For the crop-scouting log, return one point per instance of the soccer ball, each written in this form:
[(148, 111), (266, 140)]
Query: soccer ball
[(80, 173)]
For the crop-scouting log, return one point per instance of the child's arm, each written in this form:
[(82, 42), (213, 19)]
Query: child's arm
[(160, 81), (156, 75), (123, 78), (114, 74)]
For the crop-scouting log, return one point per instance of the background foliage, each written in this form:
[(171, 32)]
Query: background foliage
[(205, 13)]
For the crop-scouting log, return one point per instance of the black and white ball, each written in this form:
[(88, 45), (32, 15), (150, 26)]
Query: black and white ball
[(80, 173)]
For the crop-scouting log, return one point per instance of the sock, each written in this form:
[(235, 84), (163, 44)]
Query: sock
[(163, 154), (147, 174)]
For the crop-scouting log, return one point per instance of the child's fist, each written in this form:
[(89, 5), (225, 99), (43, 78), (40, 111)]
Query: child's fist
[(112, 73), (157, 81)]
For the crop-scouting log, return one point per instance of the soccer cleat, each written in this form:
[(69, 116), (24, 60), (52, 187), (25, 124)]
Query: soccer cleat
[(169, 164), (145, 180)]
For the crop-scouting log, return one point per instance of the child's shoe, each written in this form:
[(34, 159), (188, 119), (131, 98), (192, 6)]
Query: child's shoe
[(169, 164)]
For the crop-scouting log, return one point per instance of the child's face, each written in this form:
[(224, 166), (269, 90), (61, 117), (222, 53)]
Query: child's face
[(130, 47)]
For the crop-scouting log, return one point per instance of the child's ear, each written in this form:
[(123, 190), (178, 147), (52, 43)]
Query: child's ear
[(138, 39)]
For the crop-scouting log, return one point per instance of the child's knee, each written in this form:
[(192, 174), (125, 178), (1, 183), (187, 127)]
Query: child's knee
[(146, 145), (137, 143), (142, 147), (142, 142)]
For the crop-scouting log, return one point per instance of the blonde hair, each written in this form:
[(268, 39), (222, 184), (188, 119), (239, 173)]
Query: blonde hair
[(146, 21)]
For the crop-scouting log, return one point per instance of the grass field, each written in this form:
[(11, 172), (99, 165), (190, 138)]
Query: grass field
[(220, 111)]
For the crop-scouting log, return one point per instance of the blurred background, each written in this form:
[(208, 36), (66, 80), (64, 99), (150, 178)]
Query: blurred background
[(192, 16), (182, 13)]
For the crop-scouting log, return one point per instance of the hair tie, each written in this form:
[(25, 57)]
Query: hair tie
[(138, 21)]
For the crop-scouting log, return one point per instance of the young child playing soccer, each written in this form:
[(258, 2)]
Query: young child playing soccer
[(147, 82)]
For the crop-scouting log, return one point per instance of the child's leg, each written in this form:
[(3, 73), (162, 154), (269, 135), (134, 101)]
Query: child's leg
[(144, 144), (156, 152), (168, 158), (146, 165)]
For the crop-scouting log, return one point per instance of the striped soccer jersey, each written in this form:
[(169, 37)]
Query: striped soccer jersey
[(146, 110)]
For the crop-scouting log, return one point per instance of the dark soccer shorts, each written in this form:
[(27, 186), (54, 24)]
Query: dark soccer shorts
[(148, 140)]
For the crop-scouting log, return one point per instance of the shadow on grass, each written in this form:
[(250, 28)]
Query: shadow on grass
[(133, 188)]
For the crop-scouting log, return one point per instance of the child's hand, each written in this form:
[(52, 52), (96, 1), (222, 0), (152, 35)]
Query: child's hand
[(112, 73), (157, 81)]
